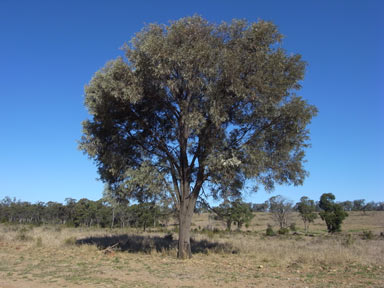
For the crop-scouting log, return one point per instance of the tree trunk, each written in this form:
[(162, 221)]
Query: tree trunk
[(185, 219), (113, 217), (229, 224)]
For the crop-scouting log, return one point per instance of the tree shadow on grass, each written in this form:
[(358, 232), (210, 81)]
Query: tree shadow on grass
[(147, 244)]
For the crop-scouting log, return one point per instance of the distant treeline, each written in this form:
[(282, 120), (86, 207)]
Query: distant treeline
[(104, 214), (83, 213), (355, 205)]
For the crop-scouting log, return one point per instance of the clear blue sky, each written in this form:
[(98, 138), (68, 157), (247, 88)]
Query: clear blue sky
[(50, 49)]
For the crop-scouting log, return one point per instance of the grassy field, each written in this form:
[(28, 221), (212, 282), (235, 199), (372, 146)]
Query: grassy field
[(53, 256)]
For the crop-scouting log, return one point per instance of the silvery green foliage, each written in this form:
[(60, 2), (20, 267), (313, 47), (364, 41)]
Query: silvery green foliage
[(194, 103)]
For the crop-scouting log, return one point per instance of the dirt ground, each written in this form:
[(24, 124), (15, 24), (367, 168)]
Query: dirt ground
[(49, 257)]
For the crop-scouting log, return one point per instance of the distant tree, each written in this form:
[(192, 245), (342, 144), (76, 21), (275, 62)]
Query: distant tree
[(70, 206), (262, 207), (102, 214), (358, 205), (235, 211), (199, 104), (380, 206), (332, 213), (144, 215), (371, 206), (5, 209), (280, 209), (55, 213), (110, 199), (223, 213), (123, 214), (242, 213), (347, 205), (82, 213), (307, 210)]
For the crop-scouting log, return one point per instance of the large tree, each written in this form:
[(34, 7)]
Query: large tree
[(203, 107)]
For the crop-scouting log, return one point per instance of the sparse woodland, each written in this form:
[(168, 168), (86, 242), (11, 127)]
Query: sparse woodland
[(55, 255), (101, 213)]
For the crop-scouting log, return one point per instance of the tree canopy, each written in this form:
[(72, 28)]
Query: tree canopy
[(333, 213), (307, 210), (200, 105), (235, 211)]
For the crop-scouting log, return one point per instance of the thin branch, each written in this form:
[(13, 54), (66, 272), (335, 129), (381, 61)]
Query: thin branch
[(264, 127)]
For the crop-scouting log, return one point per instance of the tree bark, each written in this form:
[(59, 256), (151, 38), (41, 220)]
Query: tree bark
[(113, 217), (229, 225), (185, 219)]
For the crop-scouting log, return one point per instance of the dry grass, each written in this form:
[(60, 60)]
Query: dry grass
[(47, 256), (355, 222)]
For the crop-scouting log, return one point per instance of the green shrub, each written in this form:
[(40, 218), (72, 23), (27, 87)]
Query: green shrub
[(216, 230), (283, 231), (292, 227), (367, 235), (269, 231), (333, 214)]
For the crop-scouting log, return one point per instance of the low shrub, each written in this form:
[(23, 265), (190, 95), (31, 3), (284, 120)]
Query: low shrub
[(283, 231), (292, 227), (269, 231), (367, 235)]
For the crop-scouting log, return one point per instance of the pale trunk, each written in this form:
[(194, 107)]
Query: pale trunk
[(113, 217)]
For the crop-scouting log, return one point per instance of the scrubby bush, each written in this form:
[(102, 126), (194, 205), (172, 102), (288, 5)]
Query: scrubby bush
[(283, 231), (367, 235), (269, 231), (333, 214)]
